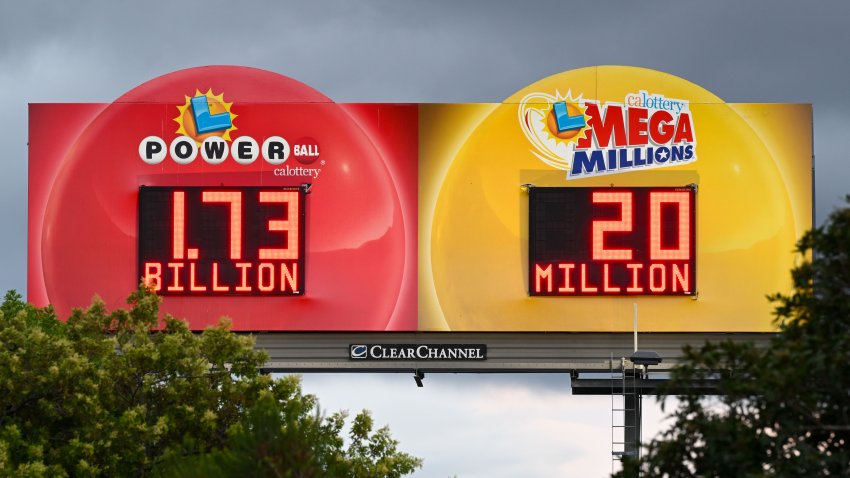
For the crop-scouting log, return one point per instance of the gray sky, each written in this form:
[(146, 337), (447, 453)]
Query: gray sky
[(438, 51)]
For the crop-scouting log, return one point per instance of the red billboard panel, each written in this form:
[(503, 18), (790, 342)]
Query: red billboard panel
[(235, 192)]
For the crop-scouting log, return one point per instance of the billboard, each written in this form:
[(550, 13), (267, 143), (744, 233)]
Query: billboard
[(239, 192)]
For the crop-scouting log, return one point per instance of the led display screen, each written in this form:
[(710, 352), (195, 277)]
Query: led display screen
[(612, 241), (222, 240)]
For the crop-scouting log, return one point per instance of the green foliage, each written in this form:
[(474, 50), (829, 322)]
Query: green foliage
[(785, 408), (278, 440), (104, 395)]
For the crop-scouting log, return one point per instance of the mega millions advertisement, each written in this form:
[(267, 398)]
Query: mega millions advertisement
[(237, 192)]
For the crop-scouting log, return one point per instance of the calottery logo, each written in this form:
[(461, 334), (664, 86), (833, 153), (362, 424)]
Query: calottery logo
[(589, 138)]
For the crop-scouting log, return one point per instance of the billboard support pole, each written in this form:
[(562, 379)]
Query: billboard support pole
[(635, 324)]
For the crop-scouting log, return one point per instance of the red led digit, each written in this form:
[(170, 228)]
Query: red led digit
[(566, 268), (193, 285), (176, 268), (541, 275), (265, 277), (153, 275), (179, 224), (624, 198), (289, 278), (682, 251), (234, 198), (243, 267), (215, 285), (290, 225)]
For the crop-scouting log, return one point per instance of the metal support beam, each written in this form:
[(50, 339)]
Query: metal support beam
[(643, 386), (633, 422), (512, 352)]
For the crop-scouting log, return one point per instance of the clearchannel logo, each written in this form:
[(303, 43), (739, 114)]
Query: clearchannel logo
[(204, 125), (417, 352), (359, 351)]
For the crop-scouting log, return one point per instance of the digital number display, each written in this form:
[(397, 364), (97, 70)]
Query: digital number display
[(222, 240), (612, 241)]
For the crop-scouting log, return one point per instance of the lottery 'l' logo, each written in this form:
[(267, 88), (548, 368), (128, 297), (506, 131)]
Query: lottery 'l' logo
[(564, 119), (206, 122)]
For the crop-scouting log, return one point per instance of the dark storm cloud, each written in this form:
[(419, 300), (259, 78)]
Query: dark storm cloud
[(449, 51), (442, 51)]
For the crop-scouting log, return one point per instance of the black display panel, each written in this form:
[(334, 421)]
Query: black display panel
[(200, 241), (612, 241)]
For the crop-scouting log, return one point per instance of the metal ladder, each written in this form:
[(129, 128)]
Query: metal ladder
[(625, 411)]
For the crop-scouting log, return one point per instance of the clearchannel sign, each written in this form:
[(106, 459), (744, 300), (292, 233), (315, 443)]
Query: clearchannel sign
[(418, 352)]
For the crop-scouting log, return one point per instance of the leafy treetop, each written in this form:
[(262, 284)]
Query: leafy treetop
[(104, 395), (784, 408)]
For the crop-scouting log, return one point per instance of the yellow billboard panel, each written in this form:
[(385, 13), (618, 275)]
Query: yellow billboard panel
[(612, 129)]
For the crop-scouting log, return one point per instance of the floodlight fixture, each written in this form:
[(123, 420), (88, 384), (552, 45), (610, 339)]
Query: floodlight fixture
[(645, 358)]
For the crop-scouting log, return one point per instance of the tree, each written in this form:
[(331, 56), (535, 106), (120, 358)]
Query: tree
[(784, 409), (124, 393), (271, 442)]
